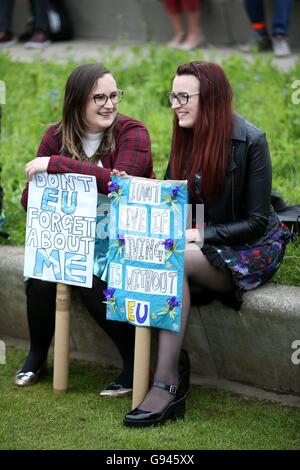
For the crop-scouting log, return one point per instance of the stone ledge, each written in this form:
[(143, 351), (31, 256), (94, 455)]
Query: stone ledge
[(251, 347)]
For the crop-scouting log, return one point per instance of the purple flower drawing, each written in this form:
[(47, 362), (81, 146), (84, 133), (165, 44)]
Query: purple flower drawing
[(175, 192), (172, 303), (110, 299)]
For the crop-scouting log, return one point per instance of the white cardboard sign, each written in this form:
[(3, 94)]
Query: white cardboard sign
[(60, 228)]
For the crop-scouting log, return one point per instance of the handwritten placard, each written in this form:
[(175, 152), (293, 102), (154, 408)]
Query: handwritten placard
[(146, 252), (60, 228)]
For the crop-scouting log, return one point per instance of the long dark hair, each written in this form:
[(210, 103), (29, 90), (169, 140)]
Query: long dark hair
[(205, 149), (73, 125)]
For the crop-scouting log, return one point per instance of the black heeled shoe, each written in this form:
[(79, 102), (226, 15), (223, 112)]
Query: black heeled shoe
[(184, 370), (174, 410)]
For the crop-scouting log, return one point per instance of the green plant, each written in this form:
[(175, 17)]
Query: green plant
[(81, 419), (262, 93)]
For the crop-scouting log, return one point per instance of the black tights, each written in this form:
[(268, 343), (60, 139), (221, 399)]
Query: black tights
[(199, 272), (41, 298)]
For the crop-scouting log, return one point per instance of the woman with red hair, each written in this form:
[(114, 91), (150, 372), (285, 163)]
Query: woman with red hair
[(194, 36), (227, 164)]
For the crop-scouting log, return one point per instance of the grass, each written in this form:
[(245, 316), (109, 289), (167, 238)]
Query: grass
[(262, 93), (34, 418)]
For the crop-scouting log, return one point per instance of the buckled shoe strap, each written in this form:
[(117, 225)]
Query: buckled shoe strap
[(169, 388)]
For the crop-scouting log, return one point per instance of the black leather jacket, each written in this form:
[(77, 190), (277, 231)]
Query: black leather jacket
[(243, 214)]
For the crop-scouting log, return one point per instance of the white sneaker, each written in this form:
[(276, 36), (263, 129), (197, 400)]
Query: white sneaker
[(281, 46)]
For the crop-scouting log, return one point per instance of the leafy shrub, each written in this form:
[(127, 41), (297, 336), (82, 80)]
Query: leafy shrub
[(262, 94)]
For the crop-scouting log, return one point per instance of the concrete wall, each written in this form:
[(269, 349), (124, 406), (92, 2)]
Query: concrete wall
[(253, 346), (224, 21)]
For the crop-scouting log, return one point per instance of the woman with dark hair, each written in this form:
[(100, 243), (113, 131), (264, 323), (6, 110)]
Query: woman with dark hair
[(228, 167), (92, 139)]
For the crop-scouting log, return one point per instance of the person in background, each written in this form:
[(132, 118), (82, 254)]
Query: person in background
[(263, 40), (40, 37), (227, 164), (191, 8), (59, 21), (92, 138)]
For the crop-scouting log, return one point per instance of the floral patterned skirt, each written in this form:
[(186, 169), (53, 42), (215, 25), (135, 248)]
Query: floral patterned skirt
[(249, 267)]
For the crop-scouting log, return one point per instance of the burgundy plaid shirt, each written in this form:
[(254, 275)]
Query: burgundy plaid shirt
[(132, 154)]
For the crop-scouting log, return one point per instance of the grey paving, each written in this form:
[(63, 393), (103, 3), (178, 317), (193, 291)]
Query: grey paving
[(93, 49)]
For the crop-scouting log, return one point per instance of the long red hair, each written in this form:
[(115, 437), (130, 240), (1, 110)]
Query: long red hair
[(205, 148)]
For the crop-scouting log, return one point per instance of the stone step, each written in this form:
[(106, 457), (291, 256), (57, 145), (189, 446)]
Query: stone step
[(257, 346)]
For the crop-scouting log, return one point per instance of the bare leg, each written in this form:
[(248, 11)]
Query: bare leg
[(200, 272), (176, 22), (195, 36)]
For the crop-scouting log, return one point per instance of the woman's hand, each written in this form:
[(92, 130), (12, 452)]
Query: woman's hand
[(116, 173), (38, 165), (192, 235)]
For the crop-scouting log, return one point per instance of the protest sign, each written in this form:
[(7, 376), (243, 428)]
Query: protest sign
[(146, 252), (60, 228)]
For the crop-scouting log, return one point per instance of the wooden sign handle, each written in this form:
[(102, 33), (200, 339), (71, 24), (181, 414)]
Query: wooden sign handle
[(141, 373), (62, 338)]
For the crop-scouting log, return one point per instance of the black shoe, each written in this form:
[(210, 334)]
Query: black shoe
[(258, 43), (174, 410), (184, 370), (7, 39), (26, 35)]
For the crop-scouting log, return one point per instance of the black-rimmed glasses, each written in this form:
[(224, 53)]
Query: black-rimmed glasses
[(101, 99), (182, 98)]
